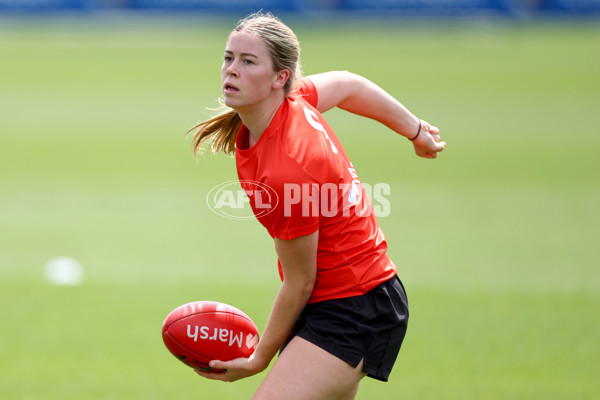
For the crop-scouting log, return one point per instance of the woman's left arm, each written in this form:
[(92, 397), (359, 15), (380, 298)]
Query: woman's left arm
[(360, 96)]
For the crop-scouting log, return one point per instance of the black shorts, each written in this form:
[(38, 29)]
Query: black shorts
[(369, 327)]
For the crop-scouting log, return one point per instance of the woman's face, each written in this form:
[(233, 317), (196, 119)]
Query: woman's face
[(247, 75)]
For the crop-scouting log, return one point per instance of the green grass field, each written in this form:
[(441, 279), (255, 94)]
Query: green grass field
[(495, 240)]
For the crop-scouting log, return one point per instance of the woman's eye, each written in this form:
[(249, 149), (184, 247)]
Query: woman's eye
[(248, 61), (227, 58)]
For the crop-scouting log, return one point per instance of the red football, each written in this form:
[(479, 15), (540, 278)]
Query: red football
[(199, 332)]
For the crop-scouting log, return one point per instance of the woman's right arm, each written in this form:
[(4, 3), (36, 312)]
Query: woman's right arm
[(360, 96), (298, 259)]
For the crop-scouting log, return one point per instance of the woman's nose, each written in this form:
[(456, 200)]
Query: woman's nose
[(232, 70)]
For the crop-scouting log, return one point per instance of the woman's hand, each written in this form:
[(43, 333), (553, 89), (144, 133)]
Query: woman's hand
[(427, 144), (298, 258), (234, 369)]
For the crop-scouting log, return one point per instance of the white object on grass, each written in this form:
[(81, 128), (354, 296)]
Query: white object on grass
[(64, 271)]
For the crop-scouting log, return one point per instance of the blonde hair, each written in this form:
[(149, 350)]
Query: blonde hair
[(221, 130)]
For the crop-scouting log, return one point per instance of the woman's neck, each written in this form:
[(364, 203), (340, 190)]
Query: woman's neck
[(259, 117)]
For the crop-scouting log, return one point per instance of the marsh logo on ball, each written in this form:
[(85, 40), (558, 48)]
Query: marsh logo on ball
[(229, 200), (227, 336)]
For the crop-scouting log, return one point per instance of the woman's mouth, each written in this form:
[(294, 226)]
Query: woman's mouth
[(229, 88)]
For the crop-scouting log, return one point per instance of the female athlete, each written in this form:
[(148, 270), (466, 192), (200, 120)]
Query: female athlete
[(341, 311)]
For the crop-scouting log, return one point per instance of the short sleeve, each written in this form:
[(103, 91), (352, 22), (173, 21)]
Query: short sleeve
[(296, 213), (308, 91)]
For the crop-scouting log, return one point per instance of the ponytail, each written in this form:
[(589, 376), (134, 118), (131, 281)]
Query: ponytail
[(284, 49), (221, 131)]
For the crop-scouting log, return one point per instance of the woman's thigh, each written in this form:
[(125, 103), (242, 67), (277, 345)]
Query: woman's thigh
[(304, 371)]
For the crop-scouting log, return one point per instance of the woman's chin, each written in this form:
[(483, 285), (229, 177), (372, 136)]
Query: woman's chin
[(231, 103)]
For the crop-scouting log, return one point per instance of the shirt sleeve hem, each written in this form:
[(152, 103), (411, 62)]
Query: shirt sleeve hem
[(290, 234)]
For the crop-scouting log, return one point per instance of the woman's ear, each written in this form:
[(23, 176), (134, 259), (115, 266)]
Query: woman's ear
[(281, 78)]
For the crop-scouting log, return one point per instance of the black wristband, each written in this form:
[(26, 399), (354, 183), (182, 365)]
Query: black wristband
[(418, 132)]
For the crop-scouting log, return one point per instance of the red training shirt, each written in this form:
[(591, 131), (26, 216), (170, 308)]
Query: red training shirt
[(299, 180)]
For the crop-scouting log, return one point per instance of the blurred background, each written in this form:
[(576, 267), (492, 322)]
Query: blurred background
[(424, 7), (105, 228)]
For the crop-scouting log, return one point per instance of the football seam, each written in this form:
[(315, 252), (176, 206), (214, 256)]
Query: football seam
[(182, 345), (213, 312)]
